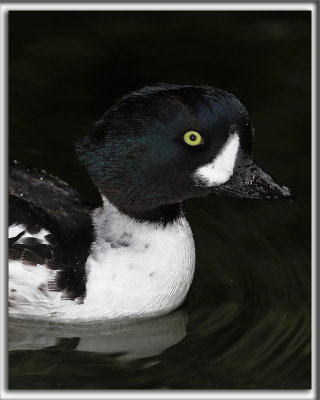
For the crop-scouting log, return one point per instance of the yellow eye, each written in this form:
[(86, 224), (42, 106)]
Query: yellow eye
[(192, 138)]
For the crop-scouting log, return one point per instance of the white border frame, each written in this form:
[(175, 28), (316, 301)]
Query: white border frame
[(148, 394)]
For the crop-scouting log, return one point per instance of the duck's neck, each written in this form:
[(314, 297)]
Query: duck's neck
[(160, 215), (138, 268)]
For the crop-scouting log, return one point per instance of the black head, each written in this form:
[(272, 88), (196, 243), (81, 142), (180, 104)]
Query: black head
[(141, 159)]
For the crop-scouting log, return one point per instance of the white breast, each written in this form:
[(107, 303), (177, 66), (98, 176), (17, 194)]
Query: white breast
[(138, 269)]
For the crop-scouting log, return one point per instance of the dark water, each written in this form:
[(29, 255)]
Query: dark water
[(246, 321)]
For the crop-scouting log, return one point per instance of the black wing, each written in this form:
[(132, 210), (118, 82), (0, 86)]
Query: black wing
[(39, 200)]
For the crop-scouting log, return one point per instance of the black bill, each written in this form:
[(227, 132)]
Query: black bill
[(251, 182)]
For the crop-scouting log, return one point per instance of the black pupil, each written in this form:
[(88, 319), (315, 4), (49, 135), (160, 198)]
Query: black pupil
[(193, 137)]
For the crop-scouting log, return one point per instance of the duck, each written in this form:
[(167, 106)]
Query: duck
[(134, 256)]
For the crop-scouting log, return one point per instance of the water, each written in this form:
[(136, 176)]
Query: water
[(246, 321)]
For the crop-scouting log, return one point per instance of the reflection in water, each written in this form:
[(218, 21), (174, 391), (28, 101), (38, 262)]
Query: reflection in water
[(235, 344), (133, 339)]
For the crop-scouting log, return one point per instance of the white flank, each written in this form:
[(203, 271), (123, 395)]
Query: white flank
[(136, 269), (220, 169), (29, 294)]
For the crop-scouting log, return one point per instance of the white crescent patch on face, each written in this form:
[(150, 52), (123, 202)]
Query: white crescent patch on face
[(220, 169)]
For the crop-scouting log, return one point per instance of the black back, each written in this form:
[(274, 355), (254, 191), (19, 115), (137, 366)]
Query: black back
[(39, 200)]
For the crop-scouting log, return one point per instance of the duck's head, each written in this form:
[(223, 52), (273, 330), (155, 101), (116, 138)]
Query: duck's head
[(161, 145)]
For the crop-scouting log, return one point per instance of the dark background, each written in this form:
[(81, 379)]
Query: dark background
[(67, 68)]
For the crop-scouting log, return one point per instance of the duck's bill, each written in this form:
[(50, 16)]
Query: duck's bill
[(252, 182)]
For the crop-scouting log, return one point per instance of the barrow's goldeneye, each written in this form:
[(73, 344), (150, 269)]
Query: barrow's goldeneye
[(135, 255)]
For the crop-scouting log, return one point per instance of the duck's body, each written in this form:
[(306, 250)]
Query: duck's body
[(121, 267), (134, 256), (133, 270)]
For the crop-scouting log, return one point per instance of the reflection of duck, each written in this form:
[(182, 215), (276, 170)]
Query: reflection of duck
[(135, 339), (155, 148)]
